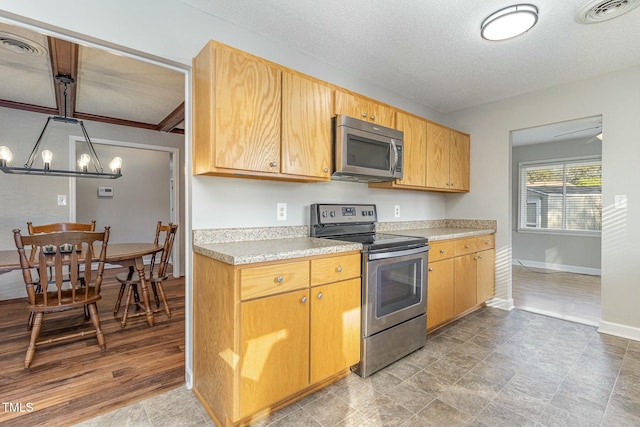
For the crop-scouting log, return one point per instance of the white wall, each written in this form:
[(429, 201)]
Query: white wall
[(562, 252), (615, 96)]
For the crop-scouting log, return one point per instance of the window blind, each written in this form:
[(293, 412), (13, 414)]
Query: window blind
[(561, 196)]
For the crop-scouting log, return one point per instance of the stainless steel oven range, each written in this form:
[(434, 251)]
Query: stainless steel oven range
[(394, 282)]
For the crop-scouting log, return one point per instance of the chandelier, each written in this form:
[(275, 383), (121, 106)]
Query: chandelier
[(83, 171)]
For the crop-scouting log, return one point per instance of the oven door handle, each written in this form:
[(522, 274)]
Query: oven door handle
[(396, 254)]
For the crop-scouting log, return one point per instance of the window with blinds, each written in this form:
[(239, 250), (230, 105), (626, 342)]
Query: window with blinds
[(563, 196)]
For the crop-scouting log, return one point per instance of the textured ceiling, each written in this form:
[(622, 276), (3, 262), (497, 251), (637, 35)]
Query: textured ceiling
[(431, 50)]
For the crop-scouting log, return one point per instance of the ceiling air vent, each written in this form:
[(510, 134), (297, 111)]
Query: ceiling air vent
[(603, 10), (20, 45)]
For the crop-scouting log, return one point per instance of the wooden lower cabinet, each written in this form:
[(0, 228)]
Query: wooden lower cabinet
[(266, 334), (461, 277), (335, 328), (440, 292), (275, 349)]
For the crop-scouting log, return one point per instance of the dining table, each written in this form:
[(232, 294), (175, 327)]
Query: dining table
[(124, 254)]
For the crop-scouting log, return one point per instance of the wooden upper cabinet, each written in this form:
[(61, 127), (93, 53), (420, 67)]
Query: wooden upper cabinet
[(438, 144), (459, 161), (237, 121), (448, 159), (306, 126), (363, 108), (415, 136)]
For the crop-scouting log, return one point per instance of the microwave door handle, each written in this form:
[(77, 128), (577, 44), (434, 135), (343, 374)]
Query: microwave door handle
[(395, 156)]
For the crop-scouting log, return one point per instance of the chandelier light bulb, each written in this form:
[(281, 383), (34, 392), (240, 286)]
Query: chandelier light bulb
[(116, 164), (5, 155), (47, 156)]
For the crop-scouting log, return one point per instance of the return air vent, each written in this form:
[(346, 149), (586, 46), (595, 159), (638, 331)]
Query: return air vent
[(603, 10), (20, 45)]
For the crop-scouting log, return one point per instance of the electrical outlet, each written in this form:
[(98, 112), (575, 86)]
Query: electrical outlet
[(62, 199), (281, 212), (396, 211)]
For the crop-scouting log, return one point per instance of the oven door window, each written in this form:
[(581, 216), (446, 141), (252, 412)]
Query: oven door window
[(399, 286)]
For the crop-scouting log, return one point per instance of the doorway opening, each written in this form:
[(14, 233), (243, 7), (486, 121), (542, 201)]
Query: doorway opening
[(557, 215)]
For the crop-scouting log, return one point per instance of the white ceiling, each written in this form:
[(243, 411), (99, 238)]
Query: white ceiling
[(431, 50)]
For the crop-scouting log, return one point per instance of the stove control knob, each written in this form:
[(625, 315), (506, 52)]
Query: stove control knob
[(370, 213), (364, 213), (324, 214), (332, 214)]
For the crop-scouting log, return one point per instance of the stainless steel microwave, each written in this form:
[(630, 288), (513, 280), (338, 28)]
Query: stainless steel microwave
[(366, 152)]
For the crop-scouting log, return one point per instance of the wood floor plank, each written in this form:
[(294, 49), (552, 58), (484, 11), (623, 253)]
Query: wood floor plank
[(72, 381), (568, 296)]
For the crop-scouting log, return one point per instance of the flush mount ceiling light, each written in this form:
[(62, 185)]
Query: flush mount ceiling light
[(509, 22), (6, 156), (603, 10)]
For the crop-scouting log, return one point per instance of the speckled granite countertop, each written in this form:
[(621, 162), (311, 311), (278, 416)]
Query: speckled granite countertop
[(237, 246), (247, 252), (445, 233)]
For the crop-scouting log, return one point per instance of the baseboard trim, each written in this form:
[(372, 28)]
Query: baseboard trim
[(501, 303), (558, 267), (619, 330)]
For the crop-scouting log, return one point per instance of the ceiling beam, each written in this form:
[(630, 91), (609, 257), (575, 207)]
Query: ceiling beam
[(64, 62), (172, 120), (28, 107)]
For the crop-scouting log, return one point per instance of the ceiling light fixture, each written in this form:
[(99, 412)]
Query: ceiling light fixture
[(509, 22), (6, 156)]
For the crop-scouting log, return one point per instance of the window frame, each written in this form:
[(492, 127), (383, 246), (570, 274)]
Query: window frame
[(522, 204)]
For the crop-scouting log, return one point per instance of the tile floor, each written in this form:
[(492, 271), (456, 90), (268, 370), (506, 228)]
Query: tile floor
[(491, 368)]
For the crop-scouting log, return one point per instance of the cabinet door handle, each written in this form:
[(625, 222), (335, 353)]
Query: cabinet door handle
[(326, 170), (430, 268), (303, 300), (364, 114), (467, 246), (339, 269), (373, 117), (479, 257), (441, 251), (273, 164), (279, 279), (320, 295), (453, 184)]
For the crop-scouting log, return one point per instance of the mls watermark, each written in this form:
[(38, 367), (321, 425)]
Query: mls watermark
[(22, 407)]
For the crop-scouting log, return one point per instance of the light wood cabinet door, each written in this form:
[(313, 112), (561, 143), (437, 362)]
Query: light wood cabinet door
[(335, 328), (459, 161), (486, 276), (275, 349), (438, 145), (415, 141), (362, 108), (247, 113), (440, 292), (465, 292), (306, 127)]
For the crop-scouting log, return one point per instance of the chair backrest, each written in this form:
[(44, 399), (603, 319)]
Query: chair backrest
[(169, 231), (61, 226), (55, 251)]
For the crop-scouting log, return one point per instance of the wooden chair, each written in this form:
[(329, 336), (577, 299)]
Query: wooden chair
[(51, 228), (59, 295), (154, 277)]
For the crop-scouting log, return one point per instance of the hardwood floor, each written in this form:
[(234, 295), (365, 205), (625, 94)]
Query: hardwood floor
[(72, 381), (568, 296)]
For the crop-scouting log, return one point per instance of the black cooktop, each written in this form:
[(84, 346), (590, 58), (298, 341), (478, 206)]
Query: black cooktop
[(376, 241)]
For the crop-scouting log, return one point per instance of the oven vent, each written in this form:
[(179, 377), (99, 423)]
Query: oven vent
[(603, 10), (20, 45)]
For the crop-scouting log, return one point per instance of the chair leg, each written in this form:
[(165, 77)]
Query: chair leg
[(35, 331), (155, 293), (164, 298), (126, 307), (93, 312), (119, 300), (30, 321)]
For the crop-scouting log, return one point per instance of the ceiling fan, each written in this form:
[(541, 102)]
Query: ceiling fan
[(593, 138)]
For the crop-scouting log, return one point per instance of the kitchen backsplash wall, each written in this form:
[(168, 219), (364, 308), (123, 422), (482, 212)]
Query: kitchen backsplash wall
[(240, 203)]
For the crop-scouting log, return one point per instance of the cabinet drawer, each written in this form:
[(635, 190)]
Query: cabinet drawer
[(485, 242), (333, 269), (272, 279), (440, 250), (464, 246)]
